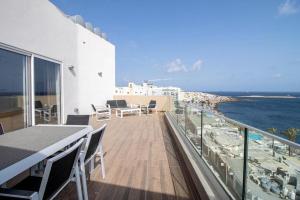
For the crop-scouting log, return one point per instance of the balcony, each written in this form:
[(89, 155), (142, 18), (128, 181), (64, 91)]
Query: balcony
[(141, 163), (191, 153), (247, 163)]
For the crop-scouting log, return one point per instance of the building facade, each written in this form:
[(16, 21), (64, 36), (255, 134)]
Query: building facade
[(148, 89), (50, 62)]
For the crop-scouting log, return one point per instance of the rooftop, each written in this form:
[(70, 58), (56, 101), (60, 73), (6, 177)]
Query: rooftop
[(140, 162)]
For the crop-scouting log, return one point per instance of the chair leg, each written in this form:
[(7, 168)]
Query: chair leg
[(102, 161), (78, 185), (92, 165), (83, 180)]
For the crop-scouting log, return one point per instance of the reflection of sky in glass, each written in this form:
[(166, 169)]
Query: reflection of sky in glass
[(45, 77), (11, 75)]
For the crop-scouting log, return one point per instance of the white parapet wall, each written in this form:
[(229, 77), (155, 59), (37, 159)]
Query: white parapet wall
[(40, 28)]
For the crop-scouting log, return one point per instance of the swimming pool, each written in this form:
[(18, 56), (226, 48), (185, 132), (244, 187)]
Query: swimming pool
[(255, 136)]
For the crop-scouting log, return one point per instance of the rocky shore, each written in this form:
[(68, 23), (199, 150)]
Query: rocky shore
[(206, 98)]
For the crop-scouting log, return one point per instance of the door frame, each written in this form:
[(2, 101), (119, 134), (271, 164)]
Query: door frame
[(59, 118), (29, 90)]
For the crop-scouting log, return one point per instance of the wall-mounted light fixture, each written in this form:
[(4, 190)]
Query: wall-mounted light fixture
[(100, 74), (71, 68)]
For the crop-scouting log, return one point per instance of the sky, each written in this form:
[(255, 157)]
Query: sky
[(211, 45)]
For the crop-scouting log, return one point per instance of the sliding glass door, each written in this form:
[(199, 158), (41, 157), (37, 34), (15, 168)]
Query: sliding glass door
[(30, 92), (47, 93), (14, 105)]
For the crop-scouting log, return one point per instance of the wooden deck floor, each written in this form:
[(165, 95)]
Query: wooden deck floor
[(140, 163)]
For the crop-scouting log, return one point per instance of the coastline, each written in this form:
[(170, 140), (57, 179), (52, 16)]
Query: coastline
[(209, 100), (269, 97)]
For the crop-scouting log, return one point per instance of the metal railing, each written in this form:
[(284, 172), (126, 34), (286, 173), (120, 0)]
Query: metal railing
[(249, 163)]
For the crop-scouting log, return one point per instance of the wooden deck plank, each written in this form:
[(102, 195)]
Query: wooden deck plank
[(139, 160)]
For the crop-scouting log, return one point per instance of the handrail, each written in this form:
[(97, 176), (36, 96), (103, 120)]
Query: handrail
[(283, 140), (215, 163)]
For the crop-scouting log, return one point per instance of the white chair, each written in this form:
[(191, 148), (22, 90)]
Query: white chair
[(101, 112), (51, 112), (59, 171), (92, 148), (39, 108)]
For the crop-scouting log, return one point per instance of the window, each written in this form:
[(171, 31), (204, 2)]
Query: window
[(47, 91), (13, 95)]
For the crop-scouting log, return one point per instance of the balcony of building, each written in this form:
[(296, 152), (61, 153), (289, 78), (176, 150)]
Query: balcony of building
[(141, 162)]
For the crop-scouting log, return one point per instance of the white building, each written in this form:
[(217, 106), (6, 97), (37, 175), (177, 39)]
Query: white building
[(148, 89), (51, 58)]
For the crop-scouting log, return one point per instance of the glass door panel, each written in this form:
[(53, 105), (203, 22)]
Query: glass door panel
[(47, 92), (13, 95)]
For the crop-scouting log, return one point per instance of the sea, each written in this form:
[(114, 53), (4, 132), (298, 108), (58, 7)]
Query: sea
[(264, 113)]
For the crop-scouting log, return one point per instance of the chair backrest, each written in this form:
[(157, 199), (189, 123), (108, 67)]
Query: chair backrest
[(112, 103), (1, 129), (59, 171), (38, 104), (93, 107), (78, 120), (152, 104), (94, 142), (54, 109), (122, 103)]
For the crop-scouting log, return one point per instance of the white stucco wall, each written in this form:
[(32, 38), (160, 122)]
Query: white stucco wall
[(39, 27), (94, 55)]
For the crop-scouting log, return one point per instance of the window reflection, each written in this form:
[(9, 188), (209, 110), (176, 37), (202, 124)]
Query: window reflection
[(12, 90), (47, 91)]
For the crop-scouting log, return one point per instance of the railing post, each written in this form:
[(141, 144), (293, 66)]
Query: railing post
[(201, 133), (185, 118), (245, 165)]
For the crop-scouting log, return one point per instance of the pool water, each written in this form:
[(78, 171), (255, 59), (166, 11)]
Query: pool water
[(255, 136)]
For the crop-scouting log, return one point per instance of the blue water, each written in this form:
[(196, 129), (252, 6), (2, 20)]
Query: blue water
[(263, 113), (253, 136)]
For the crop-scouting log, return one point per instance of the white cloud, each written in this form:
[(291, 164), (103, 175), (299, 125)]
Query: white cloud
[(197, 65), (176, 66), (289, 7), (278, 75)]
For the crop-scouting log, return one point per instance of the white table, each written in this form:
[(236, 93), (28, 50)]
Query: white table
[(24, 148), (120, 111)]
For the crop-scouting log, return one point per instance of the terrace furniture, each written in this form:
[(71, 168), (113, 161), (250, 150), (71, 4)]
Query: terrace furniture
[(121, 111), (101, 112), (1, 129), (78, 120), (58, 173), (51, 112), (121, 107), (39, 108), (24, 148), (152, 106), (92, 148), (112, 104), (115, 104)]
